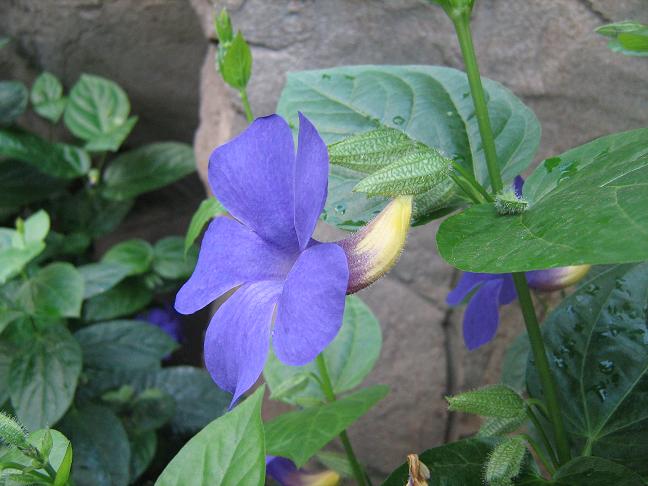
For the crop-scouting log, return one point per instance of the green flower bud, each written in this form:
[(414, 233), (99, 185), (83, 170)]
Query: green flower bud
[(223, 26), (12, 432)]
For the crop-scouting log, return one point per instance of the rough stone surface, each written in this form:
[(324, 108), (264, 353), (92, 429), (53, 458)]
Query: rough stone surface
[(546, 52)]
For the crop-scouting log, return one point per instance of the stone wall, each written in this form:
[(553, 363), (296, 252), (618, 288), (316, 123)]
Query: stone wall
[(546, 52)]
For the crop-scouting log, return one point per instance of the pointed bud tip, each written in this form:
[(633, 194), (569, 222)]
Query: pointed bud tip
[(557, 278)]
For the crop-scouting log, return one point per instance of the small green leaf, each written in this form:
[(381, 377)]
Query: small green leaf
[(147, 168), (208, 209), (43, 377), (13, 101), (135, 255), (489, 401), (55, 291), (101, 276), (223, 26), (628, 37), (97, 112), (47, 97), (13, 260), (170, 260), (55, 159), (6, 355), (498, 426), (36, 227), (236, 65), (350, 358), (102, 452), (124, 345), (505, 462), (299, 435), (419, 171), (126, 298), (230, 450), (143, 446)]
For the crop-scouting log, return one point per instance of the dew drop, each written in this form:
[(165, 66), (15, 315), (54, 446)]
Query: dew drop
[(340, 209), (592, 289), (450, 113), (602, 392), (326, 76), (606, 366), (349, 77), (398, 120), (465, 94), (558, 361)]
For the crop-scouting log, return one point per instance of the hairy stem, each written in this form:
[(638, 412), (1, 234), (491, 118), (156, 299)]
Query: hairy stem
[(246, 105), (542, 365), (538, 450), (461, 22), (543, 435), (327, 387)]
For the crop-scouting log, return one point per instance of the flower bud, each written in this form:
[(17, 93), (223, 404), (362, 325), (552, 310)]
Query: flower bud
[(374, 249), (12, 432), (556, 278), (285, 473), (418, 472)]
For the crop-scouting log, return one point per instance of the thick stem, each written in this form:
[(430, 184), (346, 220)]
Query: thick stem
[(327, 387), (462, 26), (246, 105), (542, 365)]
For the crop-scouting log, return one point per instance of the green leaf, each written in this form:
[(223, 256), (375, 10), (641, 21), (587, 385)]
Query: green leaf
[(432, 105), (515, 363), (124, 345), (55, 291), (505, 462), (628, 37), (43, 377), (208, 209), (97, 112), (13, 260), (596, 341), (489, 401), (152, 409), (143, 446), (594, 471), (349, 358), (336, 462), (6, 355), (236, 65), (89, 213), (579, 204), (170, 260), (13, 101), (22, 184), (299, 435), (223, 26), (100, 277), (54, 159), (422, 170), (126, 298), (101, 450), (135, 255), (36, 227), (4, 41), (230, 450), (147, 168), (47, 97), (497, 426)]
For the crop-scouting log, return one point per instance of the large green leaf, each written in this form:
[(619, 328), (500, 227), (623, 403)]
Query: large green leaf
[(22, 184), (55, 291), (126, 298), (230, 450), (143, 446), (101, 450), (13, 101), (124, 345), (101, 276), (597, 343), (299, 435), (170, 260), (54, 159), (579, 204), (594, 471), (87, 212), (47, 97), (430, 104), (147, 168), (97, 112), (43, 377), (349, 358)]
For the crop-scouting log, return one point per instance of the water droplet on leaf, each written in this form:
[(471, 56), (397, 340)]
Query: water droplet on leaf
[(398, 120), (606, 366), (340, 209)]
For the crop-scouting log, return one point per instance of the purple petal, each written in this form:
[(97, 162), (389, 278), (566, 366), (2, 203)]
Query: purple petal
[(280, 469), (253, 177), (482, 315), (309, 311), (311, 180), (518, 183), (467, 283), (508, 293), (238, 337), (230, 255)]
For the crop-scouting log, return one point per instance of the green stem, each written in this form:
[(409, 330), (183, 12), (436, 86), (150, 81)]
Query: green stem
[(327, 387), (246, 105), (538, 450), (475, 187), (543, 435), (542, 365), (461, 22)]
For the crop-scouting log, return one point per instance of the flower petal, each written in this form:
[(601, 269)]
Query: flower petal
[(238, 337), (467, 283), (310, 309), (253, 177), (508, 293), (518, 183), (230, 255), (311, 180), (482, 315)]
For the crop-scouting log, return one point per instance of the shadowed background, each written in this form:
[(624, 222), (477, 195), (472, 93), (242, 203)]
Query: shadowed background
[(158, 50)]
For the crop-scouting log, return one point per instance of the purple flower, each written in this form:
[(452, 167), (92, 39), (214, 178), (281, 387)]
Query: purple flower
[(286, 473), (267, 255), (166, 319)]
